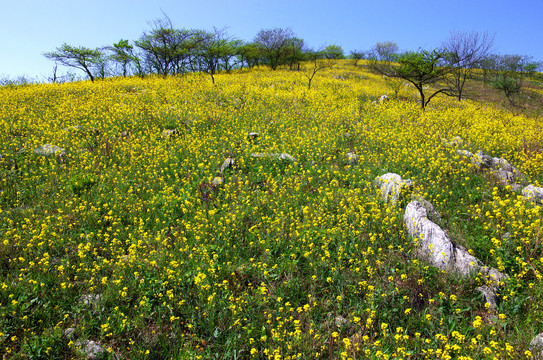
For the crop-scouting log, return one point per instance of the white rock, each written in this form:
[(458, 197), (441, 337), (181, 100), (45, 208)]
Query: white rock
[(533, 193), (490, 296), (227, 164), (217, 180), (434, 244), (91, 349), (353, 158), (536, 345), (169, 133), (391, 186), (279, 156), (455, 141), (481, 160), (464, 153), (465, 263), (48, 149), (383, 98), (252, 135)]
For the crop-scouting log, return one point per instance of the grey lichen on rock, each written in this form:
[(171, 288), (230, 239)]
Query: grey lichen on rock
[(533, 193)]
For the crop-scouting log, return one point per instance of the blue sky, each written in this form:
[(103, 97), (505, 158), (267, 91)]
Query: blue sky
[(31, 27)]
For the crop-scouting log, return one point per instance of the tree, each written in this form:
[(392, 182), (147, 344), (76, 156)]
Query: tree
[(507, 84), (214, 47), (357, 55), (463, 51), (167, 50), (249, 54), (294, 53), (122, 54), (315, 62), (333, 52), (385, 51), (420, 68), (273, 45), (81, 58)]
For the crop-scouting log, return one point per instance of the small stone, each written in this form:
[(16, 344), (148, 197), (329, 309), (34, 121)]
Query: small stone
[(49, 149), (91, 349), (217, 181), (455, 141), (481, 160), (383, 98), (252, 135), (227, 164), (169, 133), (90, 299), (69, 332), (353, 158), (282, 156), (464, 153)]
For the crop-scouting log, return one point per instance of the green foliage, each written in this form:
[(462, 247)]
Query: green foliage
[(508, 84)]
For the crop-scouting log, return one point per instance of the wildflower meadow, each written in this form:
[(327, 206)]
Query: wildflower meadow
[(122, 225)]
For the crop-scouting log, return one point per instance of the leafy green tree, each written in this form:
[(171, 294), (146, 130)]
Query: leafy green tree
[(249, 54), (214, 51), (420, 68), (507, 84), (123, 54), (81, 58), (357, 55), (333, 52)]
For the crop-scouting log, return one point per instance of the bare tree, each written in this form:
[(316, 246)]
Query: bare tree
[(384, 51), (463, 51), (315, 62)]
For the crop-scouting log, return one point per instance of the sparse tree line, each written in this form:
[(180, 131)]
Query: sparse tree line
[(165, 50)]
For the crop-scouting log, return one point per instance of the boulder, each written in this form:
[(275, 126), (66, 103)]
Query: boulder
[(434, 245), (533, 193), (393, 187)]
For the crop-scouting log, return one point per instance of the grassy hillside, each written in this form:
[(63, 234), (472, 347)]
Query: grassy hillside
[(123, 236)]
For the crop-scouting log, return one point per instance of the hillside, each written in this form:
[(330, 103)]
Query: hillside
[(124, 223)]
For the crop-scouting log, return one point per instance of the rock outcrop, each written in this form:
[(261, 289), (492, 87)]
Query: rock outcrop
[(393, 188)]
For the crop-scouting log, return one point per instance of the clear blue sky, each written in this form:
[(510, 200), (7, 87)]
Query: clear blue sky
[(31, 27)]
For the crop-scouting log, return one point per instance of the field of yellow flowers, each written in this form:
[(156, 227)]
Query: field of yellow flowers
[(118, 231)]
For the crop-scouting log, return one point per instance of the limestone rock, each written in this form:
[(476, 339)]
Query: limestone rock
[(533, 193), (252, 135), (434, 244), (49, 149), (278, 156), (217, 181), (169, 133), (481, 160), (69, 332), (90, 299), (536, 345), (455, 141), (490, 296), (465, 263), (432, 213), (383, 98), (91, 349), (353, 158), (227, 164), (392, 185), (464, 153)]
